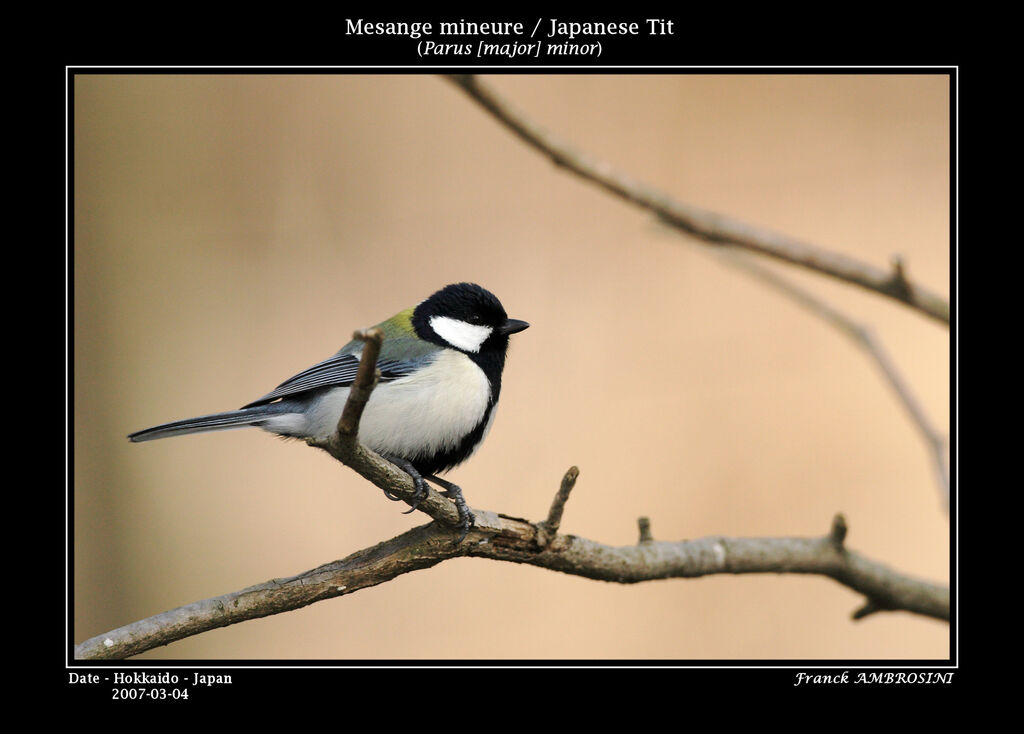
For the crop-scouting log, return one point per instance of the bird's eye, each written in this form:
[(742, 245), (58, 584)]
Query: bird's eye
[(475, 319)]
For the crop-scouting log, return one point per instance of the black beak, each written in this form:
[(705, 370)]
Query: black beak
[(513, 326)]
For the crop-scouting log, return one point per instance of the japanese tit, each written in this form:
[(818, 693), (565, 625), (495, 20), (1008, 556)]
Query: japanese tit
[(440, 378)]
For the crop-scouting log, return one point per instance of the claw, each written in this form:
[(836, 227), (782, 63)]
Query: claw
[(417, 479), (454, 493), (466, 518), (421, 492)]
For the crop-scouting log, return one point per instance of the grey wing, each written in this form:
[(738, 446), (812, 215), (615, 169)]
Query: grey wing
[(337, 371)]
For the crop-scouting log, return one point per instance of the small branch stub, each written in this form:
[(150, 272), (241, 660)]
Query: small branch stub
[(548, 529), (644, 523), (838, 532), (900, 285), (870, 607)]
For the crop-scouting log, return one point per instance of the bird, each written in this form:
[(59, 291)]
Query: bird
[(440, 369)]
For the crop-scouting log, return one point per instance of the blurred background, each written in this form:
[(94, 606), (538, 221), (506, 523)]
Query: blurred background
[(231, 230)]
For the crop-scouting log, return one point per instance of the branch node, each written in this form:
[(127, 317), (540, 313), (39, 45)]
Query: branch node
[(898, 281), (548, 529), (838, 533), (870, 607), (644, 523)]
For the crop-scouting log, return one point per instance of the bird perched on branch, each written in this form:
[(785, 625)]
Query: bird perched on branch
[(440, 378)]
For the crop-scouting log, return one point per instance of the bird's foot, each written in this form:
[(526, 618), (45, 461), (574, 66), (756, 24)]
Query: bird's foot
[(417, 479), (454, 493)]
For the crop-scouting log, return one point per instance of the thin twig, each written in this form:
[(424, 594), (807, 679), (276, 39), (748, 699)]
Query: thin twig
[(707, 225), (863, 337), (514, 540), (365, 380)]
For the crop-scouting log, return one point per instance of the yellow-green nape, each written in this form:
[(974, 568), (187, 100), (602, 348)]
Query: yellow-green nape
[(398, 325)]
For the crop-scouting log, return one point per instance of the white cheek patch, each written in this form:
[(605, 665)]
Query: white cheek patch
[(464, 336)]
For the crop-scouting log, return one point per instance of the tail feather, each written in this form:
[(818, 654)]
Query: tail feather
[(215, 422)]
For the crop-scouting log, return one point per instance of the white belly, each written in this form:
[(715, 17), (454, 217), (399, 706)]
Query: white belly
[(417, 415)]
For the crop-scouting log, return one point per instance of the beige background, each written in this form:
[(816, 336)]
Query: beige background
[(232, 230)]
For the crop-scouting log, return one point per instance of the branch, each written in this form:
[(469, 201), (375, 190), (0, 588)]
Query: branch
[(863, 337), (503, 538), (706, 225)]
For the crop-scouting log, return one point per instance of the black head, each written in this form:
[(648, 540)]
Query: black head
[(465, 317)]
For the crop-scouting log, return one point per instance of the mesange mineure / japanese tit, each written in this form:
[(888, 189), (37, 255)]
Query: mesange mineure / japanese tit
[(440, 378)]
